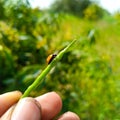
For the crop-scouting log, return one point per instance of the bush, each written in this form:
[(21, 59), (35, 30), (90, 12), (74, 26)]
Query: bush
[(93, 12)]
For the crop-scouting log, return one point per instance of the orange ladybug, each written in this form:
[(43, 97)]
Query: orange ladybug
[(50, 58)]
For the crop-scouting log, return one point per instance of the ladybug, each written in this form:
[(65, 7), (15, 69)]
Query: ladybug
[(50, 58)]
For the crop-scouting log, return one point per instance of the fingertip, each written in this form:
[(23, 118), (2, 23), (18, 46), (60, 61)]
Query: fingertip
[(14, 94), (50, 97), (51, 105), (69, 116), (58, 98), (27, 109)]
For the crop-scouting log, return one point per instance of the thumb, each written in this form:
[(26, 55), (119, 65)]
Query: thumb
[(26, 109)]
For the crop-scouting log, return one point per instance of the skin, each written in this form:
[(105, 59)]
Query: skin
[(44, 107)]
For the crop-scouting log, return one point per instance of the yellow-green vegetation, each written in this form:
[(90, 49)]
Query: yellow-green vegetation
[(87, 77)]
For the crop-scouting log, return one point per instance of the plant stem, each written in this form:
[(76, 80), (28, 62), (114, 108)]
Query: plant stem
[(39, 79)]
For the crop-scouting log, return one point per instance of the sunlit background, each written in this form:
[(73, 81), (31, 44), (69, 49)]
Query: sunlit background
[(110, 5)]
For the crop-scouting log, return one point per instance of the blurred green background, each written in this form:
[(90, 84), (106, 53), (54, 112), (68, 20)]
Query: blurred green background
[(88, 76)]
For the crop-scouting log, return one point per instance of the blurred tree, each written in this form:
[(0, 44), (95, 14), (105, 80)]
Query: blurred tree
[(19, 14), (75, 7), (117, 16), (93, 12), (2, 9)]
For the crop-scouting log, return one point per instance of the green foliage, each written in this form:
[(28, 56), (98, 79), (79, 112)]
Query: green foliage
[(117, 17), (93, 12), (2, 14), (87, 78)]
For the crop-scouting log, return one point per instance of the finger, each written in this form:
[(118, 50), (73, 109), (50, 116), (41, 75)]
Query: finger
[(8, 99), (69, 116), (27, 109), (8, 113), (51, 105)]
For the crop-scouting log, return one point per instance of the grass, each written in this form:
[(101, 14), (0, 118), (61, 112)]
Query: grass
[(107, 46)]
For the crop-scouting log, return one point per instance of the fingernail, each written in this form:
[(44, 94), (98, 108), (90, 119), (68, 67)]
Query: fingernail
[(27, 109)]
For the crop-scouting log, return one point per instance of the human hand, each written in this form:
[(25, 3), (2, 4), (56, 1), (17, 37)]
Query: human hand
[(45, 107)]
